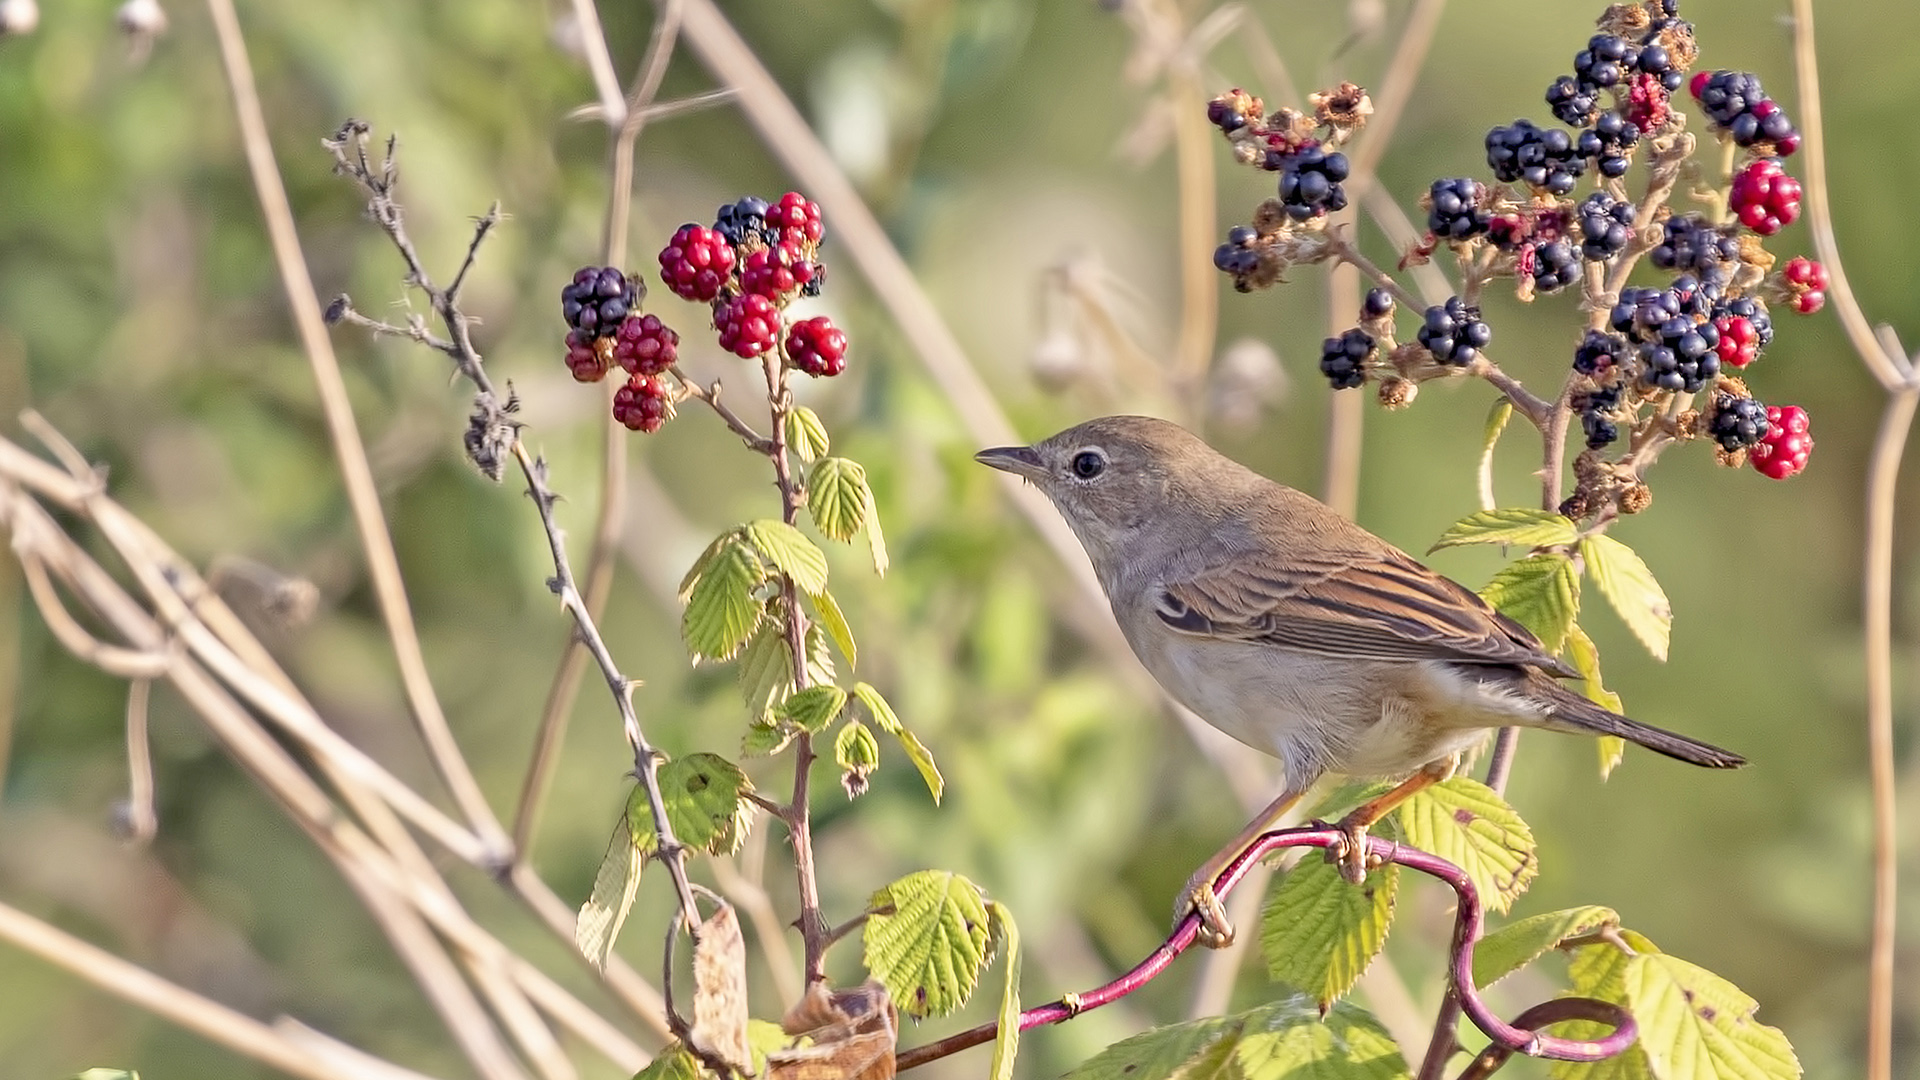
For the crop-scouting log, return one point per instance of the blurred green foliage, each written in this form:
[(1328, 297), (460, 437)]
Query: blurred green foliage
[(140, 312)]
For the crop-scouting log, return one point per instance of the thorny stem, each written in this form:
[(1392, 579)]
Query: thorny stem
[(1467, 927)]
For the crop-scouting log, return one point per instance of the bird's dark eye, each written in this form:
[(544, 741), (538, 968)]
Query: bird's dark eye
[(1088, 464)]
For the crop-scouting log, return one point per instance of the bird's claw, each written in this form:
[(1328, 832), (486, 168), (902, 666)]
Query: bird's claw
[(1216, 932), (1352, 853)]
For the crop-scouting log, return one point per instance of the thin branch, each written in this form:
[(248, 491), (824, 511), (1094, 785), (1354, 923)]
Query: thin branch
[(142, 820), (383, 566)]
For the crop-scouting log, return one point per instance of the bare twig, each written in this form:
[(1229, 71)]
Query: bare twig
[(142, 821)]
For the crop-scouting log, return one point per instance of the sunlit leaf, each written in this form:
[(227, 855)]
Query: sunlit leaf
[(1599, 972), (1630, 587), (1468, 824), (789, 549), (917, 752), (827, 614), (926, 941), (1006, 1038), (1198, 1049), (857, 754), (1497, 418), (813, 708), (1586, 660), (721, 608), (675, 1062), (1318, 933), (837, 497), (1286, 1040), (806, 434), (706, 803), (607, 905), (1698, 1026), (1513, 947), (1516, 526), (767, 736), (1541, 593)]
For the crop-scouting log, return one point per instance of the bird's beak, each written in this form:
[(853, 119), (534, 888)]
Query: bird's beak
[(1019, 460)]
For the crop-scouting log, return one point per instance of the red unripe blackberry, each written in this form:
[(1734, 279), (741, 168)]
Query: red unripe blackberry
[(583, 360), (817, 347), (645, 346), (1739, 341), (1806, 284), (775, 272), (797, 219), (696, 263), (748, 324), (642, 404), (1764, 197), (1784, 450)]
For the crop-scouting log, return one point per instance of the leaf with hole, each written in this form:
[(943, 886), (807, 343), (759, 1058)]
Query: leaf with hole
[(706, 804), (1468, 824)]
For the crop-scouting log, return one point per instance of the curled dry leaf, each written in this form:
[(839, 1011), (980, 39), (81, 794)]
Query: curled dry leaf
[(850, 1035), (720, 990)]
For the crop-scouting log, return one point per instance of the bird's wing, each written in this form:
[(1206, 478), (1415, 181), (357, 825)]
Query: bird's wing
[(1373, 605)]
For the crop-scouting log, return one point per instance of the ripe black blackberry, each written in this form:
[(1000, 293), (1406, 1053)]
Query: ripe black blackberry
[(1688, 242), (1598, 353), (1608, 143), (1456, 211), (597, 299), (1737, 105), (1656, 61), (1343, 359), (1237, 256), (1377, 305), (1640, 311), (1571, 103), (1606, 224), (1310, 182), (1605, 61), (737, 221), (1555, 266), (1682, 357), (1545, 160), (1454, 333), (1737, 422), (1596, 408)]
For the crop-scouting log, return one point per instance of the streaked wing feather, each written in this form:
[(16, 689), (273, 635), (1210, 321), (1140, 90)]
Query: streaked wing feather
[(1377, 606)]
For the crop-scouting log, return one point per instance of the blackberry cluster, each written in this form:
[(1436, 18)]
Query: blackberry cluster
[(1648, 315), (1737, 422), (597, 299), (1596, 415), (748, 324), (1745, 329), (1456, 212), (1689, 243), (817, 347), (1556, 265), (1545, 160), (1599, 353), (1310, 182), (1682, 358), (697, 263), (1788, 443), (1454, 333), (1605, 62), (738, 221), (1237, 256), (1571, 103), (1606, 224), (644, 345), (1764, 197), (1343, 359), (1737, 105), (1655, 61), (642, 404), (1608, 144)]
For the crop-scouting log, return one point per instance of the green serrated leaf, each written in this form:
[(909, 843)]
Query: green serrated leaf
[(1468, 824), (827, 614), (1497, 418), (721, 608), (1697, 1025), (1006, 1037), (1292, 1040), (1629, 586), (1517, 526), (789, 549), (806, 434), (1513, 947), (1598, 971), (1541, 593), (1319, 933), (674, 1062), (699, 567), (1586, 660), (926, 941), (600, 918), (813, 708), (857, 753), (765, 670), (766, 737), (706, 803), (1196, 1049), (763, 1038), (837, 497), (917, 752), (1348, 795)]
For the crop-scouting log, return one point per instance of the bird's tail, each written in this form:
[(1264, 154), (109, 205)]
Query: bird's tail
[(1571, 712)]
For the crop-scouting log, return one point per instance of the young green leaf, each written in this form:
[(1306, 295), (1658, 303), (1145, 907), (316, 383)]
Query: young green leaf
[(1006, 1037), (675, 1062), (806, 434), (857, 754), (765, 671), (917, 752), (1497, 418), (764, 1037), (837, 497), (876, 538), (813, 708), (1599, 971), (827, 614), (1629, 586), (766, 736), (607, 905), (926, 941), (1586, 660), (699, 567), (705, 798), (1296, 1040), (1513, 947), (1319, 933), (1197, 1049), (1517, 526), (1468, 824), (721, 608), (1696, 1024), (1541, 593), (789, 549)]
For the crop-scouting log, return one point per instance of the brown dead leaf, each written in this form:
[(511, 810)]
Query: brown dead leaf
[(849, 1035), (720, 990)]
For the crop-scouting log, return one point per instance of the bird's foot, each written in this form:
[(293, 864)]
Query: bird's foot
[(1198, 897), (1352, 854)]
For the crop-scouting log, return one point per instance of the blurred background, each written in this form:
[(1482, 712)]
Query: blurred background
[(1029, 179)]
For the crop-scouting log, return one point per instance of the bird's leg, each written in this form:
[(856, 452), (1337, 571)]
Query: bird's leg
[(1353, 861), (1215, 931)]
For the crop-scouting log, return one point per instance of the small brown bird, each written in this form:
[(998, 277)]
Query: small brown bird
[(1296, 631)]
